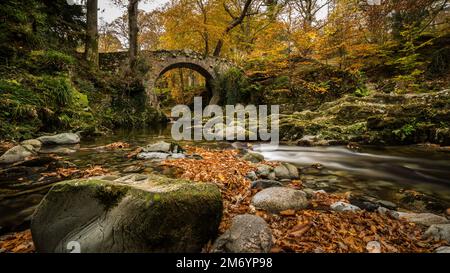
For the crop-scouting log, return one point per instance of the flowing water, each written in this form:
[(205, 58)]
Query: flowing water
[(387, 173)]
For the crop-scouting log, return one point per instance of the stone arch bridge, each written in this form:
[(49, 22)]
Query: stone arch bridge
[(156, 63)]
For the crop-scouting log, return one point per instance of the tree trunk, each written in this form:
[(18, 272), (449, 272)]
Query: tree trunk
[(91, 46), (133, 32), (236, 21)]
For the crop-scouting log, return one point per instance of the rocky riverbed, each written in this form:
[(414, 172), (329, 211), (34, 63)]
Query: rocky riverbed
[(259, 204)]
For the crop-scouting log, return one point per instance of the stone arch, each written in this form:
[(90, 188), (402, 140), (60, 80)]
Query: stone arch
[(208, 75), (162, 61)]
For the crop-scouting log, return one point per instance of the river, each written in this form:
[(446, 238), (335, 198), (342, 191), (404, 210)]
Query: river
[(388, 173)]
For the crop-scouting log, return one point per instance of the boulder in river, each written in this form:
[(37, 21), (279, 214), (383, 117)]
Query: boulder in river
[(438, 232), (281, 172), (17, 153), (33, 142), (293, 171), (155, 214), (263, 170), (286, 171), (163, 147), (253, 157), (60, 139), (247, 234), (277, 199)]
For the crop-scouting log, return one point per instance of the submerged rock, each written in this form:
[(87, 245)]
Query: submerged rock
[(277, 199), (438, 232), (154, 214), (59, 150), (247, 234), (17, 154), (387, 204), (60, 139)]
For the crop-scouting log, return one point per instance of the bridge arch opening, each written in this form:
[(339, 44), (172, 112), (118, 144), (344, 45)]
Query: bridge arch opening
[(179, 83)]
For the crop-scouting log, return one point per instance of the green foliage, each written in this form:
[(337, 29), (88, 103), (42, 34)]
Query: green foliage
[(57, 90), (405, 131), (361, 88), (362, 92), (50, 61), (234, 86), (33, 24)]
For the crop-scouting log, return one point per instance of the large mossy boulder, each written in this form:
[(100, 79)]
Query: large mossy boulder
[(156, 214)]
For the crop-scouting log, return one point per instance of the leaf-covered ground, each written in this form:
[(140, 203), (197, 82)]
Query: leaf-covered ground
[(316, 229)]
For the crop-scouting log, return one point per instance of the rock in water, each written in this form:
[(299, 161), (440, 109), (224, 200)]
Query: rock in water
[(61, 150), (263, 170), (157, 214), (426, 219), (16, 154), (277, 199), (286, 171), (293, 171), (163, 147), (61, 139), (282, 172), (153, 155), (247, 234), (253, 157), (33, 142)]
